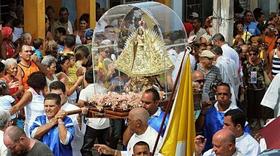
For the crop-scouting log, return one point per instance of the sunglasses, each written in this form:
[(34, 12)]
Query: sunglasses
[(200, 81), (28, 50)]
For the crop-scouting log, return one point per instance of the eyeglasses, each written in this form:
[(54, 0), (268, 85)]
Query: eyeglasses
[(277, 42), (200, 81)]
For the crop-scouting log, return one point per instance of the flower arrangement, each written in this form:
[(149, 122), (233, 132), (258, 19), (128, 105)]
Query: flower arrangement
[(116, 101)]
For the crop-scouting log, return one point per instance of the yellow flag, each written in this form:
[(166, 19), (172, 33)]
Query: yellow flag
[(179, 138)]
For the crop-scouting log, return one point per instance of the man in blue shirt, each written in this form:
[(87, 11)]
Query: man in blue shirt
[(249, 24), (54, 129), (150, 100)]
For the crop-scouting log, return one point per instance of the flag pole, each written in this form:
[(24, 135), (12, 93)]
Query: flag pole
[(169, 104)]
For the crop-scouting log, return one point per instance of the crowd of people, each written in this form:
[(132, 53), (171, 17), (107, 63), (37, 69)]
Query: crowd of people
[(42, 80)]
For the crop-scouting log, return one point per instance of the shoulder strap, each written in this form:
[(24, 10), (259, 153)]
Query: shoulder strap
[(20, 66)]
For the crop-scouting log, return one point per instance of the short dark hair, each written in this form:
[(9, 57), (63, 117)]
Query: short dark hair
[(196, 19), (37, 43), (58, 85), (155, 93), (254, 49), (69, 41), (37, 80), (218, 37), (61, 30), (246, 12), (223, 84), (2, 66), (217, 50), (53, 96), (81, 52), (89, 75), (141, 143), (237, 117), (84, 17), (63, 9)]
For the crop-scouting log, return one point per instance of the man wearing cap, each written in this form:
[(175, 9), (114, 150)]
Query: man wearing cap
[(211, 74)]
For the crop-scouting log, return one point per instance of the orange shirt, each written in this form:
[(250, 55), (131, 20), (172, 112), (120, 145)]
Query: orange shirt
[(27, 70), (270, 42)]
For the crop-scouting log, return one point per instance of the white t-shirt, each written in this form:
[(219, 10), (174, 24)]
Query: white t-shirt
[(6, 103), (247, 145), (150, 137), (3, 148), (85, 95), (33, 109), (228, 72), (271, 98), (232, 54), (78, 140), (178, 63)]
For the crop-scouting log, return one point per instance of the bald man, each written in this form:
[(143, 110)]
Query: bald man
[(223, 144), (19, 144), (138, 124), (197, 84)]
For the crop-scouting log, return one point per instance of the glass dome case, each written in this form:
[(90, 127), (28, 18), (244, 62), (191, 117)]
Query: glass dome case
[(131, 47)]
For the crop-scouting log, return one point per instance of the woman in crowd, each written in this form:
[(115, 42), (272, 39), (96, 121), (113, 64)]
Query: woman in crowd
[(83, 25), (71, 84), (254, 80), (15, 86), (275, 59), (50, 63), (32, 100)]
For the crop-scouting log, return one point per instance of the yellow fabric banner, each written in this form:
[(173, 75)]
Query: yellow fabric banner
[(179, 140)]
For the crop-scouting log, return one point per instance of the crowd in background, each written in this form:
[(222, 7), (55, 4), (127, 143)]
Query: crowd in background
[(225, 77)]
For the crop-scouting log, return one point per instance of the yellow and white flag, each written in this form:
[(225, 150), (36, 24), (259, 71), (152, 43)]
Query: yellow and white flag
[(179, 138)]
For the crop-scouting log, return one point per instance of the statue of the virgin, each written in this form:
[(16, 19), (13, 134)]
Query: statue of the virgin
[(144, 54)]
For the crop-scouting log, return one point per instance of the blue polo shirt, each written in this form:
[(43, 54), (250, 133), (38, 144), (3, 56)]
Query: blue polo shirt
[(156, 119)]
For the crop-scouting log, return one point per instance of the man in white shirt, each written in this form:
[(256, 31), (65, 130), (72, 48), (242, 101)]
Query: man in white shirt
[(63, 21), (271, 98), (235, 120), (96, 128), (197, 30), (219, 40), (138, 124), (4, 123), (228, 73), (223, 144), (58, 87)]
